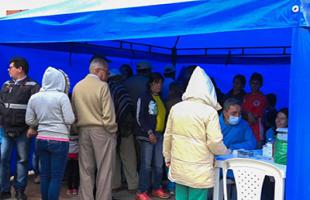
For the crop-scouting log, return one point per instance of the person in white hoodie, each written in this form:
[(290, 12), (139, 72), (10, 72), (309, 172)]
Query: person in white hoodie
[(192, 138), (50, 111)]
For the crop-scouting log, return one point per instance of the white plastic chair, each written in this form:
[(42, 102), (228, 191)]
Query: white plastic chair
[(249, 177)]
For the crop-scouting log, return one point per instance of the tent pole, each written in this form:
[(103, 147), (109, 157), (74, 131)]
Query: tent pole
[(174, 51), (298, 164), (174, 56)]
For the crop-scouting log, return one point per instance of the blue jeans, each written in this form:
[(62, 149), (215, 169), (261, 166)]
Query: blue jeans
[(35, 157), (21, 172), (151, 164), (53, 158), (170, 185)]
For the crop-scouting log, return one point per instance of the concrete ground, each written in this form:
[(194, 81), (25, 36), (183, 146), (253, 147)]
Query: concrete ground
[(33, 193)]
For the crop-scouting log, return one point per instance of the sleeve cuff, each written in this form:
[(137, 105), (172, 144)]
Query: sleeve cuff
[(149, 132)]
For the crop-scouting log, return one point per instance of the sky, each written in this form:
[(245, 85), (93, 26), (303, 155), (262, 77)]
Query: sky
[(23, 4)]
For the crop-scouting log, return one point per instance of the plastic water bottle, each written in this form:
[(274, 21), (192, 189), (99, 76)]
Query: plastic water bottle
[(268, 149)]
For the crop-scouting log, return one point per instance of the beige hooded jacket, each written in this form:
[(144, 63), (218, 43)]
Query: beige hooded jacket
[(193, 134)]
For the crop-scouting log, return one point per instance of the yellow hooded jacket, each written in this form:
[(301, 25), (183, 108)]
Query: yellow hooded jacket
[(193, 134)]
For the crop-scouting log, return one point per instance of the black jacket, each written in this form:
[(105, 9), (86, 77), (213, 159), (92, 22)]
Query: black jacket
[(146, 115), (14, 97)]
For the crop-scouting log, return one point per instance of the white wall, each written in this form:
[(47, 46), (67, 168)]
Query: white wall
[(23, 4)]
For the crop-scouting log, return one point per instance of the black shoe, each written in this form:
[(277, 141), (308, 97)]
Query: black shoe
[(20, 195), (5, 195)]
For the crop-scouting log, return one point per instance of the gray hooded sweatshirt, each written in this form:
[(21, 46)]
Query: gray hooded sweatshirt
[(50, 109)]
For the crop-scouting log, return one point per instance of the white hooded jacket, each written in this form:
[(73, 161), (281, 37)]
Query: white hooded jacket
[(50, 109), (193, 134)]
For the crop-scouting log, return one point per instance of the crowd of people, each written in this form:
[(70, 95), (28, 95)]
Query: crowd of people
[(118, 128)]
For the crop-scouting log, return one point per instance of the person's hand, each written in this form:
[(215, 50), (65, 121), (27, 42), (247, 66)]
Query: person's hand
[(168, 164), (152, 138), (31, 133), (228, 151)]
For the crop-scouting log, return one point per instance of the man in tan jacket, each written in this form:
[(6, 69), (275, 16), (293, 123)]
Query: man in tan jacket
[(94, 109), (192, 138)]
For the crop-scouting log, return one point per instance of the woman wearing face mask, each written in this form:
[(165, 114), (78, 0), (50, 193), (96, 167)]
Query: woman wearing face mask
[(281, 122), (237, 133)]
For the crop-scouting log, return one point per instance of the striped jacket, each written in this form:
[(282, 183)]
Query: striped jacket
[(124, 107)]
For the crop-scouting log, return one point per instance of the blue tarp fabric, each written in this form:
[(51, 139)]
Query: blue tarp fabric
[(298, 172), (194, 17), (305, 10)]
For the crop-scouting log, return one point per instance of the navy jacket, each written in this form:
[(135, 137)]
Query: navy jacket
[(146, 115)]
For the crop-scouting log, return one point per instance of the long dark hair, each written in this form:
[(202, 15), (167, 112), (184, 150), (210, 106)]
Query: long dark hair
[(154, 77), (284, 111)]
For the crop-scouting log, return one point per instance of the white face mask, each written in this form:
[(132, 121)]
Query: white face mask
[(234, 120)]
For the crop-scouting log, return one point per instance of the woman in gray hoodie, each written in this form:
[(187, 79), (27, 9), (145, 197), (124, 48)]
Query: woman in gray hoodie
[(50, 110)]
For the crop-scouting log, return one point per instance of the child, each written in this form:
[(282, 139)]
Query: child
[(170, 184), (35, 162), (1, 134), (73, 163)]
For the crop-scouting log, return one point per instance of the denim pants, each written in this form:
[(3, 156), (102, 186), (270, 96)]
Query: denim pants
[(21, 173), (170, 185), (53, 158), (151, 164), (35, 157)]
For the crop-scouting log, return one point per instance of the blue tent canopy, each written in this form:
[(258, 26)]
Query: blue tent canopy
[(170, 31), (89, 26), (194, 17)]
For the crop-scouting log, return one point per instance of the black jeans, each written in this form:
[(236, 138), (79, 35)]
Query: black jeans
[(73, 178)]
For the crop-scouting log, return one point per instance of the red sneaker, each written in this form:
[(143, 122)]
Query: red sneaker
[(160, 193), (143, 196)]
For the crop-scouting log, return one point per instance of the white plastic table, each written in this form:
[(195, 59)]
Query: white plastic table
[(218, 188)]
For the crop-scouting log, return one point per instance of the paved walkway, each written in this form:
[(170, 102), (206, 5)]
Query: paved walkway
[(33, 193)]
